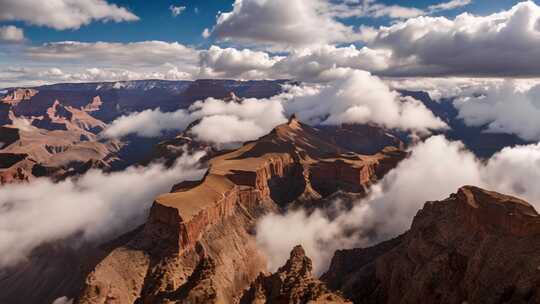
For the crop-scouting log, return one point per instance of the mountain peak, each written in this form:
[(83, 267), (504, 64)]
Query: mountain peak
[(292, 283), (456, 247), (298, 262)]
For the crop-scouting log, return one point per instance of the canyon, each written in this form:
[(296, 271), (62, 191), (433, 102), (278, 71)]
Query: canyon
[(476, 246), (198, 243), (209, 224)]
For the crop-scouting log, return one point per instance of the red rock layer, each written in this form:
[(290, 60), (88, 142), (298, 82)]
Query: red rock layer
[(476, 246), (293, 283), (219, 214)]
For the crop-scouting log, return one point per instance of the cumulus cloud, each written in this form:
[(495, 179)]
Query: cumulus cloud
[(281, 24), (439, 88), (63, 14), (501, 44), (355, 97), (503, 108), (300, 23), (221, 122), (148, 123), (234, 63), (93, 206), (392, 203), (176, 10), (359, 97), (316, 63), (232, 122), (10, 33)]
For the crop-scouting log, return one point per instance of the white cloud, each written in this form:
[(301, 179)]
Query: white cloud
[(96, 205), (100, 61), (450, 5), (232, 122), (392, 203), (373, 9), (313, 64), (281, 24), (284, 24), (501, 44), (147, 123), (504, 108), (234, 63), (140, 53), (63, 14), (355, 97), (176, 10), (516, 170), (221, 122), (359, 97), (11, 33), (437, 88)]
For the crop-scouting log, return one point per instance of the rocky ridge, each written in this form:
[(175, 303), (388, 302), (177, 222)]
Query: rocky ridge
[(476, 246), (293, 283), (217, 216)]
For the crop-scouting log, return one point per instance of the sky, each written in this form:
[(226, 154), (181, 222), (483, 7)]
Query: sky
[(105, 40)]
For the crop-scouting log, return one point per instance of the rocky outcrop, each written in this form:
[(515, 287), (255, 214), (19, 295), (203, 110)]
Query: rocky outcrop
[(476, 246), (293, 283), (15, 96), (56, 154), (361, 138), (219, 214), (253, 173)]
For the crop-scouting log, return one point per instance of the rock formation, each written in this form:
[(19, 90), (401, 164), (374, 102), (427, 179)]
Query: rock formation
[(293, 283), (79, 112), (217, 216), (476, 246), (17, 95), (52, 153)]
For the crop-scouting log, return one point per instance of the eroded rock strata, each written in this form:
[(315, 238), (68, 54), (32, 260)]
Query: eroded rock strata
[(293, 283), (208, 226), (476, 246)]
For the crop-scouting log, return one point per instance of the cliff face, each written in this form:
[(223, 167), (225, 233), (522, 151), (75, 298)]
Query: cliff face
[(60, 141), (476, 246), (293, 283), (217, 216)]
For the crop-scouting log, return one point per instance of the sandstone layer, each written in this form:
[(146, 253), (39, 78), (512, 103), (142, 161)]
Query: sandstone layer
[(476, 246), (203, 230), (293, 283)]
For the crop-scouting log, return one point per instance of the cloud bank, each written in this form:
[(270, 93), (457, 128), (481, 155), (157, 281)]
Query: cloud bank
[(355, 97), (10, 33), (501, 44), (390, 207), (359, 97), (281, 24), (310, 37), (95, 206), (503, 108), (63, 14)]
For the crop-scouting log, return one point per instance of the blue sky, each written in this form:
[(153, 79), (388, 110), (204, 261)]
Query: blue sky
[(157, 23), (110, 40)]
